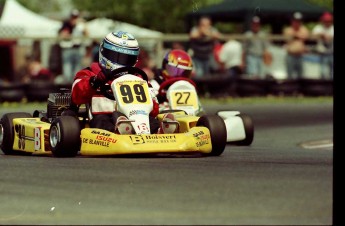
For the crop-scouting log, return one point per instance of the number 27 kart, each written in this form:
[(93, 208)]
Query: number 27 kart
[(181, 94), (64, 135)]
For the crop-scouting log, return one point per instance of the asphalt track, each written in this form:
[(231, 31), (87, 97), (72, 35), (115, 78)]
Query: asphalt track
[(281, 179)]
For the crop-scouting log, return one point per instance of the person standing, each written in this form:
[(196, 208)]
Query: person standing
[(324, 32), (255, 47), (296, 34), (230, 57), (71, 34), (202, 41)]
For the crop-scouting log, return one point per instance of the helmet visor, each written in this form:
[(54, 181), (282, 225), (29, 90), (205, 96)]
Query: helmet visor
[(120, 58), (175, 71)]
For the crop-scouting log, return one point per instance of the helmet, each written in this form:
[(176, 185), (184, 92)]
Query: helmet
[(118, 49), (177, 63)]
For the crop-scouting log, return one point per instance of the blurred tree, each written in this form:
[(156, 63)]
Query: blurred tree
[(40, 6), (167, 16), (325, 3)]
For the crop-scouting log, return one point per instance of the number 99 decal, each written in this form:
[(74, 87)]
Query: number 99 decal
[(133, 93)]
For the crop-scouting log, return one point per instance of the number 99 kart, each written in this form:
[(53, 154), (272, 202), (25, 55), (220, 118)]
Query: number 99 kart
[(67, 135)]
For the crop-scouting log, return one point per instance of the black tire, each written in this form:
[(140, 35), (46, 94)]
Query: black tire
[(249, 131), (64, 136), (217, 129), (7, 131)]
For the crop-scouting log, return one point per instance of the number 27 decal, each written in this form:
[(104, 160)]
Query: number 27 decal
[(182, 97)]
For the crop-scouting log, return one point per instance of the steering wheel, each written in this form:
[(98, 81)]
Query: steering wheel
[(106, 90), (162, 88)]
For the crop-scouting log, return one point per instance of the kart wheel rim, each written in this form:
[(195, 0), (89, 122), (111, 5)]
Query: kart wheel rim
[(1, 134), (54, 136)]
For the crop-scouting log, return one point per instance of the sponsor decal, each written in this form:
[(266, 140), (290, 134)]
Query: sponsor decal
[(102, 139), (121, 50), (137, 112), (137, 139), (202, 138), (201, 143), (99, 142), (196, 135), (21, 133), (100, 133), (153, 139), (37, 138), (124, 35), (125, 82), (143, 127), (105, 138)]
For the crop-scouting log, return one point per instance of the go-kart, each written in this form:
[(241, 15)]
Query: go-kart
[(62, 134), (181, 94)]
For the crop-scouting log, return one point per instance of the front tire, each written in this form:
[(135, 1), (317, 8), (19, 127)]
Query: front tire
[(218, 134), (64, 136), (7, 131)]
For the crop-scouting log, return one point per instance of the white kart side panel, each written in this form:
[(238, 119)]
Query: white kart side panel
[(226, 114), (234, 129)]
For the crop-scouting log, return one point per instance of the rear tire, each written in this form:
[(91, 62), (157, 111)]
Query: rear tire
[(218, 134), (64, 136), (249, 131), (7, 131)]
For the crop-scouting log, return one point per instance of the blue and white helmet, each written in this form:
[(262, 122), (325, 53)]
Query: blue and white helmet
[(118, 49)]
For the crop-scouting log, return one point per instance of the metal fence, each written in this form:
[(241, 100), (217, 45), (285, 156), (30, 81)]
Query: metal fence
[(310, 84)]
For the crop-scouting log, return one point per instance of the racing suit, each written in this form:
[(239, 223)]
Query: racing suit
[(102, 108)]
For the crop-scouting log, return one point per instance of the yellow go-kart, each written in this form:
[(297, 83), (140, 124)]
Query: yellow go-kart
[(53, 132), (180, 93)]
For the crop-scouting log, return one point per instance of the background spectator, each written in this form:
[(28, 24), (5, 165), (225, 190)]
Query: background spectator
[(296, 35), (177, 45), (33, 70), (230, 56), (255, 48), (202, 40), (324, 32), (71, 45), (146, 63)]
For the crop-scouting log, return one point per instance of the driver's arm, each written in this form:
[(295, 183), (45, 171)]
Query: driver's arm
[(82, 91)]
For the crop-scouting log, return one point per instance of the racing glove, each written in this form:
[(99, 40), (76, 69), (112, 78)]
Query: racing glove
[(97, 80)]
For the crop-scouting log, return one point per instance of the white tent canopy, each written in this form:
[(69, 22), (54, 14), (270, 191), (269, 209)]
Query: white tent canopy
[(30, 24), (100, 27)]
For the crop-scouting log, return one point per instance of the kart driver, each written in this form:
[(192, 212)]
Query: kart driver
[(118, 49), (176, 64)]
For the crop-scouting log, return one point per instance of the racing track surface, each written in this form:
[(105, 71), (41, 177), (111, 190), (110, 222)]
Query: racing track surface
[(275, 181)]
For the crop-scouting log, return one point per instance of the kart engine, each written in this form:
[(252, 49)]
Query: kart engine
[(57, 103)]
